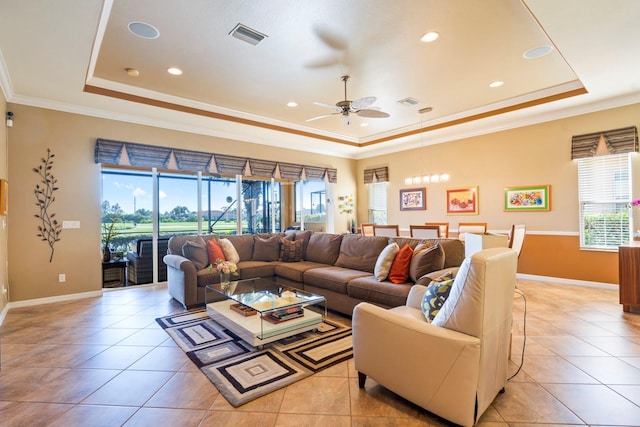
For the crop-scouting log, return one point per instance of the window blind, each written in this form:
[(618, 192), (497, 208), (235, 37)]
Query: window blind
[(604, 193), (377, 202)]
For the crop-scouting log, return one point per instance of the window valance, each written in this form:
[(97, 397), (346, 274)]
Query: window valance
[(618, 141), (376, 175), (128, 153)]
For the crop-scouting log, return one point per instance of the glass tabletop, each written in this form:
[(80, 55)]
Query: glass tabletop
[(265, 295)]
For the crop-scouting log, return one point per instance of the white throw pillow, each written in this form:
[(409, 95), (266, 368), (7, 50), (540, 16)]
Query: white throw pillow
[(385, 260), (230, 252)]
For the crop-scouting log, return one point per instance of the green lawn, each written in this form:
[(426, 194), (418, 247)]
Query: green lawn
[(174, 227)]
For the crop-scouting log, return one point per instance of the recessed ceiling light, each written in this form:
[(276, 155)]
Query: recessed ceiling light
[(538, 52), (174, 71), (364, 125), (146, 31), (132, 72), (497, 83), (429, 37), (292, 104)]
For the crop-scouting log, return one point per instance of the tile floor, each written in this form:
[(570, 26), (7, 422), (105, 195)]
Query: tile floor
[(105, 362)]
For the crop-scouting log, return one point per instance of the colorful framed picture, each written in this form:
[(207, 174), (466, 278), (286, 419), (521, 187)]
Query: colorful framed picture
[(462, 201), (531, 198), (413, 199)]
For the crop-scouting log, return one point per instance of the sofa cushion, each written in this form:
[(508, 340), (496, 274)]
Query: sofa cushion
[(252, 269), (385, 260), (435, 295), (425, 259), (453, 248), (196, 251), (399, 272), (295, 270), (266, 248), (304, 237), (360, 252), (323, 248), (229, 250), (243, 244), (332, 278), (207, 276), (427, 278), (290, 250), (215, 251), (385, 293)]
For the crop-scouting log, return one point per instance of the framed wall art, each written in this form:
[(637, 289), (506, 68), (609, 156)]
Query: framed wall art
[(531, 198), (413, 199), (462, 201)]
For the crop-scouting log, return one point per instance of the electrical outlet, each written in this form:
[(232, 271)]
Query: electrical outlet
[(5, 291), (62, 278)]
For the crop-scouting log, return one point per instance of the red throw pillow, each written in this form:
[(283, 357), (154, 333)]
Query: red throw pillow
[(399, 272), (215, 251)]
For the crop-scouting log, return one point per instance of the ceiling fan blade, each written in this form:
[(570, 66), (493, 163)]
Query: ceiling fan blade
[(332, 40), (362, 103), (320, 117), (328, 61), (372, 113), (325, 105)]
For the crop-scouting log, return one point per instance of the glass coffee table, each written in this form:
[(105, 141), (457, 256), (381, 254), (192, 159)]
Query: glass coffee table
[(260, 310)]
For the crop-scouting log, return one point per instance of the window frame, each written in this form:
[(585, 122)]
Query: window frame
[(605, 191)]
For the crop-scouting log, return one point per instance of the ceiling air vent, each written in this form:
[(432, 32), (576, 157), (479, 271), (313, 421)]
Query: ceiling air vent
[(409, 102), (247, 34)]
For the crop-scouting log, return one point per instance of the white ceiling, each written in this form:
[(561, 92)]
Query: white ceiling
[(71, 55)]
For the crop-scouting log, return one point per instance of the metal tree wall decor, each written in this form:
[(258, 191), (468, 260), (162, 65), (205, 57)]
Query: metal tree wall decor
[(49, 229)]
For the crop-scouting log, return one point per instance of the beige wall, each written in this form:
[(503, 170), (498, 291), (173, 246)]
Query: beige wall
[(538, 154), (72, 138), (4, 278)]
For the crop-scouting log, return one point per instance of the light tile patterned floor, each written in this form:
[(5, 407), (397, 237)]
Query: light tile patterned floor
[(105, 362)]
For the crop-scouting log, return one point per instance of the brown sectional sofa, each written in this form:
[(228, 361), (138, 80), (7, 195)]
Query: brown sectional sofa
[(338, 266)]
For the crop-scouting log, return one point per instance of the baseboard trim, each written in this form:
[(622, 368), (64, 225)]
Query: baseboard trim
[(49, 300), (5, 310), (570, 282)]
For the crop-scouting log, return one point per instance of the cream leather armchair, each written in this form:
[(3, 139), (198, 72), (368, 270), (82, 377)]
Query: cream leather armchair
[(455, 366)]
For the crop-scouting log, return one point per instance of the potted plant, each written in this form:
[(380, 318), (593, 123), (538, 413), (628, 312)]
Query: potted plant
[(109, 231)]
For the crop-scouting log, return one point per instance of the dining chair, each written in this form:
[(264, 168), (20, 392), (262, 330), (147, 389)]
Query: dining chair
[(386, 230), (471, 227), (444, 228), (425, 231), (516, 237), (366, 229)]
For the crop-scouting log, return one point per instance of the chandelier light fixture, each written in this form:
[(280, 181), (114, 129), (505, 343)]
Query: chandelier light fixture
[(425, 178)]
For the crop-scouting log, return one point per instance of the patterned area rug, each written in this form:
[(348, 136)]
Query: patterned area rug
[(241, 372)]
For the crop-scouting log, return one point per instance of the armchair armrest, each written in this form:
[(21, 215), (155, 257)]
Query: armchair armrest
[(416, 294)]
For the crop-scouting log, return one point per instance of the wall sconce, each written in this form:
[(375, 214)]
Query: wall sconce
[(425, 179), (9, 120)]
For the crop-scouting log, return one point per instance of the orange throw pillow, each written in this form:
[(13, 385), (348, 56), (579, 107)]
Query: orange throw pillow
[(399, 272), (215, 251)]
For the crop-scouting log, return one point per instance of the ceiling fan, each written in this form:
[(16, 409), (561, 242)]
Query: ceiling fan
[(346, 107)]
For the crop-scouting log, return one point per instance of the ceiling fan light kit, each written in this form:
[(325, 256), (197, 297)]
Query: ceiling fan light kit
[(344, 108)]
